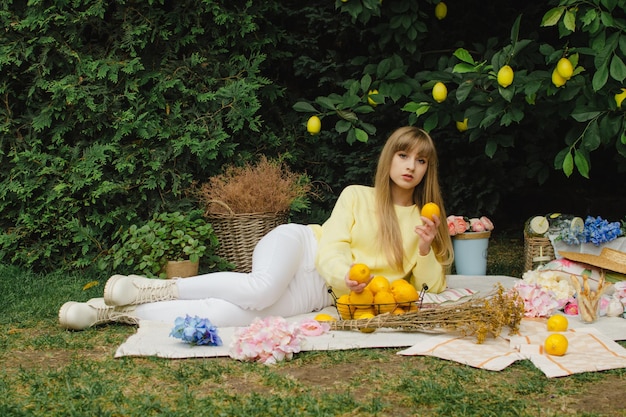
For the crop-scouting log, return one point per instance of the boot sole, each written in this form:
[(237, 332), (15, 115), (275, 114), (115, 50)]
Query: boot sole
[(63, 315)]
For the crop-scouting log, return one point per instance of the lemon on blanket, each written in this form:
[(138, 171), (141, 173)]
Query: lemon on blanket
[(325, 317), (556, 344), (557, 323)]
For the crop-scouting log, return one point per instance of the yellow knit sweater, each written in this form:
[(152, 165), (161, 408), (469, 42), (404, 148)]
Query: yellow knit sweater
[(350, 236)]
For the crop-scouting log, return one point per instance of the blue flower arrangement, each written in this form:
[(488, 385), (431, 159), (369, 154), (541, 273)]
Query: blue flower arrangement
[(196, 331), (596, 231)]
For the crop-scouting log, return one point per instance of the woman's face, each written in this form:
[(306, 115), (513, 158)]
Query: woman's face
[(407, 169)]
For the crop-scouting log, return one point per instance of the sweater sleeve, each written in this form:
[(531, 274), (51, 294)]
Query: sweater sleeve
[(334, 255)]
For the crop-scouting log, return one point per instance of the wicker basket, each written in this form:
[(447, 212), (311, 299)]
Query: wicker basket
[(238, 234), (535, 247)]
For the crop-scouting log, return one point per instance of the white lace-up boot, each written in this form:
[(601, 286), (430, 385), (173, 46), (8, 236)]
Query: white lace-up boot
[(121, 290), (79, 316)]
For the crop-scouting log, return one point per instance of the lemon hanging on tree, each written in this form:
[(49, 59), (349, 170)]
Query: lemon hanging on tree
[(557, 80), (565, 68), (461, 126), (440, 92), (371, 101), (441, 11), (314, 125), (619, 97), (505, 76)]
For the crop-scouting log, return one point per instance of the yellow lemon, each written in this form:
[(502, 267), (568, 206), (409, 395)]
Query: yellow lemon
[(440, 92), (565, 68), (377, 284), (619, 97), (314, 125), (366, 316), (398, 311), (344, 308), (441, 10), (360, 311), (556, 344), (462, 126), (385, 302), (324, 317), (557, 323), (431, 209), (359, 273), (557, 80), (363, 298), (370, 100), (403, 291), (505, 76)]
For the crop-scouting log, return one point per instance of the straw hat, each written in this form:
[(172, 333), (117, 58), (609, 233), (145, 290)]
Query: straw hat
[(609, 259)]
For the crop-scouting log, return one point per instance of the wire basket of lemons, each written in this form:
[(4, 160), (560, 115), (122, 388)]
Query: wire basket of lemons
[(379, 297)]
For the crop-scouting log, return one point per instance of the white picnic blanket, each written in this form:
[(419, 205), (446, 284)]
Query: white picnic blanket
[(592, 347)]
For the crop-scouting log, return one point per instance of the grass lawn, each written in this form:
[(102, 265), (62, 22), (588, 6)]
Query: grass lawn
[(47, 371)]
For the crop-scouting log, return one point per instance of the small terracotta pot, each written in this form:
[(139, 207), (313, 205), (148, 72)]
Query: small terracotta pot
[(181, 269)]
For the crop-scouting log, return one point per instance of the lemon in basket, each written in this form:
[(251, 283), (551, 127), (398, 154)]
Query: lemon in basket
[(361, 311), (403, 291), (385, 302), (343, 307), (378, 283), (365, 297)]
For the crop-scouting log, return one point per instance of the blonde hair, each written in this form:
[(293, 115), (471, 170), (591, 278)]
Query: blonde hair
[(409, 139)]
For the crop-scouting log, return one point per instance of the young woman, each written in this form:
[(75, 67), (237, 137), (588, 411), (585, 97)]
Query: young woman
[(293, 265)]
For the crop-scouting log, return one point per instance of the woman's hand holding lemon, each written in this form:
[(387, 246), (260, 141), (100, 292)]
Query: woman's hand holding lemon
[(427, 231), (358, 277)]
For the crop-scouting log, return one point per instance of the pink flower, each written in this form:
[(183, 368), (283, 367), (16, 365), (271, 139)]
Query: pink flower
[(311, 327), (571, 308), (488, 224), (456, 225), (269, 340), (537, 301), (476, 225)]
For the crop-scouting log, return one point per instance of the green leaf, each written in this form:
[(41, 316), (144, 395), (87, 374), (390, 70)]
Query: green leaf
[(464, 55), (361, 135), (507, 93), (464, 90), (583, 116), (591, 138), (600, 78), (325, 102), (490, 148), (342, 126), (569, 20), (366, 82), (568, 164), (347, 115), (552, 16), (581, 163), (304, 107), (463, 68), (618, 69)]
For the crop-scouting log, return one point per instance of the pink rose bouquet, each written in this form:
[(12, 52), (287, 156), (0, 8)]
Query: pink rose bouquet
[(461, 224), (273, 339), (538, 302)]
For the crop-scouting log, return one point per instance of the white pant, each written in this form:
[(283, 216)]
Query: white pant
[(283, 282)]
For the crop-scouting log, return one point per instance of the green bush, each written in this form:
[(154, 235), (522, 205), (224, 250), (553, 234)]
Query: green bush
[(111, 109)]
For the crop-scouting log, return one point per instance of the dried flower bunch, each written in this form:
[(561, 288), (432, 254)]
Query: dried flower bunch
[(265, 187), (478, 316)]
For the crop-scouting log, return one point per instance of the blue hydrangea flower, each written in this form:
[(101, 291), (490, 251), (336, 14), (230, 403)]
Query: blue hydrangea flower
[(596, 231), (196, 331)]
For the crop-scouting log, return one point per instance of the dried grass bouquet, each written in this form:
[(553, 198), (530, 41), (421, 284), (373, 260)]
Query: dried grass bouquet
[(267, 186)]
